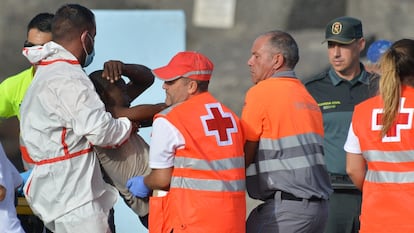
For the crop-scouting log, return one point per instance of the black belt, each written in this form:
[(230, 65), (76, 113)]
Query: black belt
[(291, 197)]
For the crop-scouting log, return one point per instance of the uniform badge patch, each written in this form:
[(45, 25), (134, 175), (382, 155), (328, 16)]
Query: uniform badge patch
[(336, 28)]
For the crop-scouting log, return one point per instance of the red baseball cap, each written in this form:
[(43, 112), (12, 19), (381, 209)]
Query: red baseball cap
[(188, 64)]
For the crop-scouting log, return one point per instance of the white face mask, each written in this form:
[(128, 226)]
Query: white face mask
[(89, 57)]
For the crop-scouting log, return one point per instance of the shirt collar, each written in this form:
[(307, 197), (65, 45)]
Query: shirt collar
[(362, 77), (287, 73)]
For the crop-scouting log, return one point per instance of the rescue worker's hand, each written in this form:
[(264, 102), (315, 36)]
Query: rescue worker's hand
[(137, 187)]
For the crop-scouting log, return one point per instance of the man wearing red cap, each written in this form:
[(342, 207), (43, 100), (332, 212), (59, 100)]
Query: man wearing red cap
[(196, 155)]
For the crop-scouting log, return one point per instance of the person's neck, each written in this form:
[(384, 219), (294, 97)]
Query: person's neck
[(284, 71), (74, 47), (349, 74)]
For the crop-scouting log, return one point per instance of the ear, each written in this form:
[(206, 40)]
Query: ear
[(83, 35), (84, 38), (361, 44), (278, 61), (192, 87)]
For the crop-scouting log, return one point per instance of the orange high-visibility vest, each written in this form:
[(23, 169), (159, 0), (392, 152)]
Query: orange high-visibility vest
[(207, 190), (289, 130), (388, 189)]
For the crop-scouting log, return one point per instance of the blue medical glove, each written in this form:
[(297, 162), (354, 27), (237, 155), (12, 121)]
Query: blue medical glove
[(25, 176), (137, 187)]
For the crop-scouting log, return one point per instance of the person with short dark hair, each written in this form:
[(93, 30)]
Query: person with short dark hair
[(131, 158), (380, 158), (337, 90), (62, 118), (14, 88)]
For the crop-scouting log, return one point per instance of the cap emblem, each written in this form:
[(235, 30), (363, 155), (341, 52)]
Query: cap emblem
[(336, 28)]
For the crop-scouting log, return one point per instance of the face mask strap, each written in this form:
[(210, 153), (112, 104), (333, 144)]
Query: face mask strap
[(83, 43), (89, 56)]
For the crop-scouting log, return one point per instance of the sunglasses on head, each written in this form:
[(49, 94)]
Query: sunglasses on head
[(28, 44)]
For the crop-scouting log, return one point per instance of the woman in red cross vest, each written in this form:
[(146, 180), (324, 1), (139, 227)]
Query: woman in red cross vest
[(380, 146), (196, 156)]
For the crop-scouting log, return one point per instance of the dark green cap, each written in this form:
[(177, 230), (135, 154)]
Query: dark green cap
[(343, 30)]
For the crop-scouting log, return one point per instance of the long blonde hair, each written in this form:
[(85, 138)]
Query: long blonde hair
[(397, 68)]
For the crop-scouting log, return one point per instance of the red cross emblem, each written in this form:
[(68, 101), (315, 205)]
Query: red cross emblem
[(403, 120), (219, 124)]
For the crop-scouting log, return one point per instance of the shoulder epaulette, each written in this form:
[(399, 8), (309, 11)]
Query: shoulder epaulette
[(316, 77)]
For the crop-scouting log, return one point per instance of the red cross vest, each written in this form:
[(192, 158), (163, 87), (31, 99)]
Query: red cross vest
[(207, 189), (388, 189)]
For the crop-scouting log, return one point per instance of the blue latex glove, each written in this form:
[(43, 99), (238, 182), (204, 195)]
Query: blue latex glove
[(137, 187), (25, 176)]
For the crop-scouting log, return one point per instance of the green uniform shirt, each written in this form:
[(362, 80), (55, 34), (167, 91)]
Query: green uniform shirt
[(337, 98), (12, 91)]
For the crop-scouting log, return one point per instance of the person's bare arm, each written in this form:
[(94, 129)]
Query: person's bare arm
[(356, 169), (140, 76), (250, 151), (139, 113), (3, 191), (159, 179)]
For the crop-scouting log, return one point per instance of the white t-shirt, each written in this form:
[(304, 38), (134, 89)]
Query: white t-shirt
[(10, 179), (352, 142), (165, 140)]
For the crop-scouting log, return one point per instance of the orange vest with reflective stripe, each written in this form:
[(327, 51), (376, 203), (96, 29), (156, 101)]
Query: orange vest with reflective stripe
[(388, 189), (207, 189), (284, 118)]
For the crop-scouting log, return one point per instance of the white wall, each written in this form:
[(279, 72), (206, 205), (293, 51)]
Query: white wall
[(148, 37)]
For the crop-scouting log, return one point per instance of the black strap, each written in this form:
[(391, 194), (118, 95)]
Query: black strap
[(291, 197)]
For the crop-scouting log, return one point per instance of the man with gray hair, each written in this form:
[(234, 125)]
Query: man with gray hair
[(284, 135)]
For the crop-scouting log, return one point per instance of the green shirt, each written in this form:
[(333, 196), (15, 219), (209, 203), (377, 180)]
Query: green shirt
[(337, 98), (12, 91)]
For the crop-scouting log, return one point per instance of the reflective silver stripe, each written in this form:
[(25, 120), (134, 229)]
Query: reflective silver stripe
[(188, 74), (208, 185), (287, 164), (290, 142), (197, 72), (389, 156), (295, 164), (402, 177), (389, 177), (168, 110), (292, 149), (214, 165), (251, 170)]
